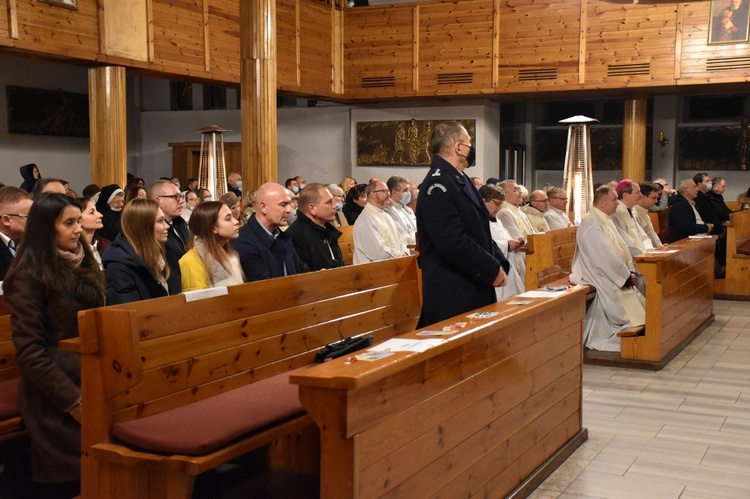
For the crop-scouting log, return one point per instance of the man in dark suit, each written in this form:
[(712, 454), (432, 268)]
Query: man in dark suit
[(684, 219), (171, 201), (15, 204), (461, 265)]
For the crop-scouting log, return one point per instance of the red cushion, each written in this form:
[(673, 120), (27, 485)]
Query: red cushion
[(744, 249), (9, 399), (207, 425)]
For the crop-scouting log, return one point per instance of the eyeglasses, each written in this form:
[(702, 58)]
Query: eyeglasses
[(176, 197), (540, 201), (24, 216), (192, 199), (561, 199), (381, 190)]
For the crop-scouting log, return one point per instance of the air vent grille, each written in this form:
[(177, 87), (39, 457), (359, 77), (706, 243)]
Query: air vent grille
[(728, 64), (537, 74), (628, 69), (378, 81), (454, 78)]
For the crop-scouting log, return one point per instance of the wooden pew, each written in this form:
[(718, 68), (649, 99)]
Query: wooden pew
[(11, 425), (346, 243), (736, 284), (142, 360), (660, 221), (671, 322), (490, 412)]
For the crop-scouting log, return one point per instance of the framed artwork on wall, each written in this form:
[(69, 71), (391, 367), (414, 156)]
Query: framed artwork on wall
[(728, 22), (67, 4)]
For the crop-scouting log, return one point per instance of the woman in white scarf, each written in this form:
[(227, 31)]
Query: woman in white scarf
[(211, 261)]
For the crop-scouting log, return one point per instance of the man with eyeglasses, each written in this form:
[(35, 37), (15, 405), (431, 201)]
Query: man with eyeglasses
[(170, 200), (15, 204), (631, 230), (650, 193), (535, 210), (461, 265), (556, 216), (376, 236), (513, 219)]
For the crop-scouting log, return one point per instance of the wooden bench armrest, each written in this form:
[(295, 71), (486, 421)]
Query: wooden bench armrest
[(195, 465), (740, 256), (629, 332), (70, 345)]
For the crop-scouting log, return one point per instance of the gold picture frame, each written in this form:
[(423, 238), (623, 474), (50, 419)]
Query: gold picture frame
[(65, 4), (729, 22)]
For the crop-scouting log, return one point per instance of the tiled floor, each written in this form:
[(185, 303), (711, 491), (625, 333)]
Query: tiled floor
[(682, 432)]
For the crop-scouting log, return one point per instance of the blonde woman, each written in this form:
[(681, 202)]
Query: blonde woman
[(347, 183), (135, 263), (211, 261)]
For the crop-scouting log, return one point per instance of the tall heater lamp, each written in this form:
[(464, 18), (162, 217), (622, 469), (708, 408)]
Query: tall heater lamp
[(212, 171), (578, 176)]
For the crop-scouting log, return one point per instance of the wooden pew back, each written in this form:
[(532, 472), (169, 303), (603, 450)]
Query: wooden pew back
[(156, 355), (660, 221), (8, 367), (549, 256), (736, 285), (346, 243)]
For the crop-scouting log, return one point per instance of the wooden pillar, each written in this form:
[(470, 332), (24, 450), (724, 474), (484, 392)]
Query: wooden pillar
[(258, 89), (634, 138), (108, 125)]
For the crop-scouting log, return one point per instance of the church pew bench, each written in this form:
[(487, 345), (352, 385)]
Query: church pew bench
[(171, 389), (346, 243), (490, 412), (660, 221), (11, 425), (736, 284), (549, 257)]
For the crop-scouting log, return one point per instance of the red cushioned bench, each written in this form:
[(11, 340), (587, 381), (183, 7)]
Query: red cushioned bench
[(171, 389), (11, 425)]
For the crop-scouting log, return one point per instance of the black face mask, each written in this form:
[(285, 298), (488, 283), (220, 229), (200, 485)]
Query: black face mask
[(471, 157)]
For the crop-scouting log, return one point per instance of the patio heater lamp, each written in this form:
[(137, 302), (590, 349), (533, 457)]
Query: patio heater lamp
[(212, 171), (578, 176)]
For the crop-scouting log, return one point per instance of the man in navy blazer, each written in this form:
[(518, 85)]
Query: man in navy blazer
[(684, 219), (15, 204), (461, 265)]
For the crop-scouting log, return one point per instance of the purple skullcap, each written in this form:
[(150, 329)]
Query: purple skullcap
[(623, 184)]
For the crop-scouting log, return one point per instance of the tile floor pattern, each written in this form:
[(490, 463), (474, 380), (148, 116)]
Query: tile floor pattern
[(682, 432)]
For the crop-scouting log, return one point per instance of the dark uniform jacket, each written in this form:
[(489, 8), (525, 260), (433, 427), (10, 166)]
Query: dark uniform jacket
[(264, 256), (713, 209), (6, 258), (177, 239), (458, 258), (127, 277), (317, 246), (682, 219)]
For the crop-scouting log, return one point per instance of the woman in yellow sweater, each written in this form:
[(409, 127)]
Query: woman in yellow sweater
[(211, 261)]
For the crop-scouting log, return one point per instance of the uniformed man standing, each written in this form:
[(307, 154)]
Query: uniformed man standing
[(461, 265)]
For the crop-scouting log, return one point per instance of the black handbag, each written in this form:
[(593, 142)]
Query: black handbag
[(343, 347)]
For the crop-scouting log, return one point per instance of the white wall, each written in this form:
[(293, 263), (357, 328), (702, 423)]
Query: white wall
[(61, 157)]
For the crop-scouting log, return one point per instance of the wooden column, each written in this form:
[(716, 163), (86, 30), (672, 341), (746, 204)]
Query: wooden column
[(258, 84), (108, 125), (634, 138)]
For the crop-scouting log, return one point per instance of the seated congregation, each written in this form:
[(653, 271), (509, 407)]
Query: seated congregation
[(166, 294)]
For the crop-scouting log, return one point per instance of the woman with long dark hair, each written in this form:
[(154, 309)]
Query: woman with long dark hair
[(135, 264), (211, 261), (52, 277), (91, 221)]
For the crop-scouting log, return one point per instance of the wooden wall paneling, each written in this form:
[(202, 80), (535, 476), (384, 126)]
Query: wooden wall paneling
[(223, 34), (150, 28), (455, 45), (287, 44), (337, 50), (495, 42), (678, 41), (316, 48), (206, 40), (381, 51), (630, 44), (124, 28), (8, 19), (178, 34), (538, 44)]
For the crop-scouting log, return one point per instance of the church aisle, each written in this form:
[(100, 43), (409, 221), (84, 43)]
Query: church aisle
[(683, 432)]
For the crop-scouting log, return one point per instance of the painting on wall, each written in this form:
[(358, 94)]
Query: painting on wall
[(399, 143), (713, 148), (40, 111), (729, 22)]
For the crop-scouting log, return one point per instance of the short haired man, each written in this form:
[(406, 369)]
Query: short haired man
[(556, 216), (15, 204), (234, 184), (703, 181), (292, 185), (461, 265), (602, 260), (170, 200), (712, 207), (513, 219), (535, 210), (665, 192), (301, 182), (53, 185), (313, 234), (266, 251), (397, 209), (626, 219), (477, 182), (650, 192), (375, 234), (684, 219)]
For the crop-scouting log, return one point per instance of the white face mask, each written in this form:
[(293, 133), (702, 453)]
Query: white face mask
[(406, 198), (238, 185), (295, 190)]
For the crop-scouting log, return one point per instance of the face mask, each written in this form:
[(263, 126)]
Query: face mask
[(238, 185), (471, 157), (339, 206), (406, 198), (302, 185), (708, 186), (295, 190), (292, 217)]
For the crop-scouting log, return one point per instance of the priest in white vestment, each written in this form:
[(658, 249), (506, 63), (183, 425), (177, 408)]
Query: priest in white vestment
[(402, 215), (649, 198), (602, 260), (515, 285), (513, 219), (630, 230), (535, 210), (375, 235), (556, 216)]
